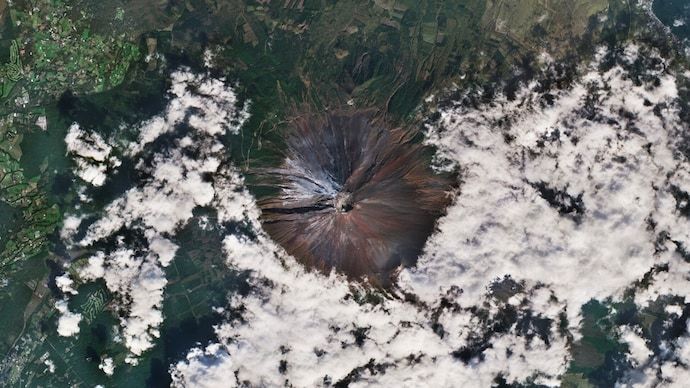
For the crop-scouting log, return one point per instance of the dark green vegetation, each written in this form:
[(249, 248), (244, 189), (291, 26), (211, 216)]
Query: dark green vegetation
[(676, 15), (197, 281), (599, 358), (105, 65), (63, 52), (386, 55), (50, 50)]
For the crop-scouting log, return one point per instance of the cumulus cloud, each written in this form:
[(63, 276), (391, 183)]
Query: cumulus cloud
[(307, 329), (175, 182), (68, 322), (70, 224), (561, 202), (206, 368), (94, 267), (91, 154), (107, 366), (564, 199), (667, 368), (562, 195), (50, 364), (65, 283), (207, 104), (676, 371), (639, 352)]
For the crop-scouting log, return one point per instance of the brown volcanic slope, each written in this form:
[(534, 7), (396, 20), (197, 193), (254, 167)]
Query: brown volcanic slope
[(353, 195)]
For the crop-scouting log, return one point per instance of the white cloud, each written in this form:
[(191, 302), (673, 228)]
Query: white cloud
[(70, 225), (163, 248), (674, 309), (569, 205), (42, 122), (609, 172), (207, 368), (677, 372), (174, 184), (502, 225), (668, 369), (65, 283), (206, 104), (94, 267), (308, 321), (639, 352), (107, 366), (68, 322), (91, 154), (50, 364)]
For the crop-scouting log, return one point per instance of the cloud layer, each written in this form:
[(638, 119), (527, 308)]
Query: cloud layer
[(133, 238), (566, 195)]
